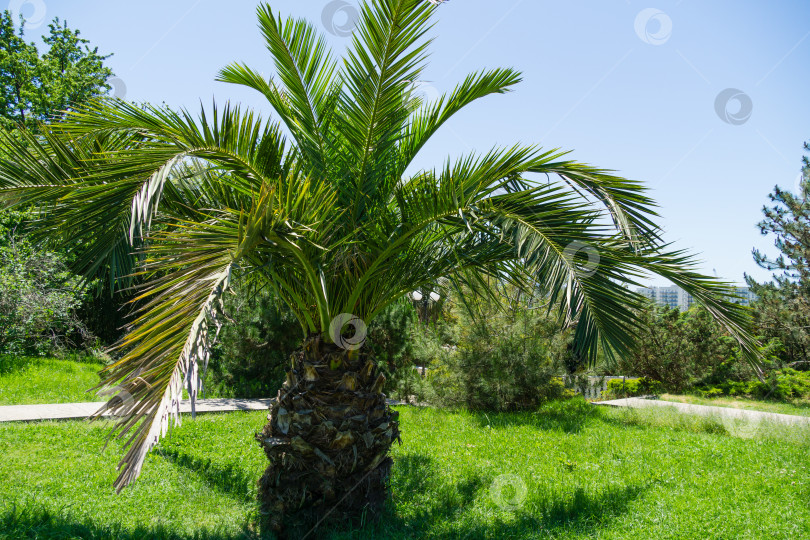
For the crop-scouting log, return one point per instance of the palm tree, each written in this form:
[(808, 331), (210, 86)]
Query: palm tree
[(321, 207)]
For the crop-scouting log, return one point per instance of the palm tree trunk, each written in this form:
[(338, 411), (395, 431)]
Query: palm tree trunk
[(327, 439)]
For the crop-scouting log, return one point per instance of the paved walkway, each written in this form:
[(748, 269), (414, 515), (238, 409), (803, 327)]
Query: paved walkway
[(705, 410), (67, 411), (73, 411)]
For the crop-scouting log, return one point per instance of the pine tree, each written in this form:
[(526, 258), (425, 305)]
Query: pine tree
[(783, 308)]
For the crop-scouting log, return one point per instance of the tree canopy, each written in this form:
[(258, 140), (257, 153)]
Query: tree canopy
[(37, 87)]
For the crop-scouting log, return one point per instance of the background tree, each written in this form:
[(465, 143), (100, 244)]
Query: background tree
[(39, 297), (509, 352), (19, 75), (783, 308), (42, 305), (34, 88), (253, 351), (683, 349), (72, 72)]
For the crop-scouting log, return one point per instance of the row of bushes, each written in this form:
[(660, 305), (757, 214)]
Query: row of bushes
[(782, 384), (497, 355)]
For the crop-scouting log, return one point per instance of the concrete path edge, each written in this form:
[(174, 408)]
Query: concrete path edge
[(707, 410), (77, 411), (73, 411)]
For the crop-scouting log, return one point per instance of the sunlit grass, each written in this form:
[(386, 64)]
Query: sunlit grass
[(588, 472), (35, 380), (30, 380)]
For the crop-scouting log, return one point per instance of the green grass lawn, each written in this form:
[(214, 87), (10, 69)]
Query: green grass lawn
[(571, 470), (28, 380), (797, 407), (32, 380)]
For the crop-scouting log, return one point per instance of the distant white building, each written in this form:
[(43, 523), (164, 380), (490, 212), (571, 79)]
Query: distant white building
[(675, 297), (746, 296)]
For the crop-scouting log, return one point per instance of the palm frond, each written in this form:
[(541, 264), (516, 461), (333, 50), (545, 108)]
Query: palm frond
[(190, 268), (387, 53), (307, 72), (425, 122)]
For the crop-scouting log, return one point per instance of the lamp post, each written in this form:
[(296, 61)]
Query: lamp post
[(423, 301)]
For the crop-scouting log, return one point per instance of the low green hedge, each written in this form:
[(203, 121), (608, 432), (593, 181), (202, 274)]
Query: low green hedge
[(781, 384), (621, 388)]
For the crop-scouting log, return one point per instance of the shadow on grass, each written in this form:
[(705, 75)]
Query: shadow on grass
[(569, 416), (583, 513), (228, 480), (414, 476), (47, 525), (441, 510), (425, 505)]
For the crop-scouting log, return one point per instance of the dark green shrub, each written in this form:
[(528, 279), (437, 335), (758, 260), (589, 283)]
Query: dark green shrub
[(254, 347), (38, 295), (508, 357), (106, 315), (619, 388), (782, 384)]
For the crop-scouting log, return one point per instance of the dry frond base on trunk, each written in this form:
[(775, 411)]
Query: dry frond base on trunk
[(327, 439)]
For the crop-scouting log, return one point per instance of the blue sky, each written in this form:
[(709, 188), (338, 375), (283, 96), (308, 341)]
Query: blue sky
[(624, 84)]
